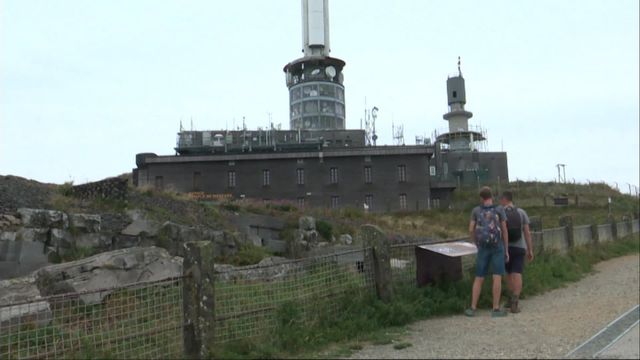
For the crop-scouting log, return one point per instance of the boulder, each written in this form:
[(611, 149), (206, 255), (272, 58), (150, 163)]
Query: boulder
[(33, 234), (141, 227), (108, 270), (307, 223), (346, 239), (171, 236), (268, 269), (92, 240), (85, 223), (40, 218), (61, 239), (32, 309), (7, 236)]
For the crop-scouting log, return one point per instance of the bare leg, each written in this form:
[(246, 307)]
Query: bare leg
[(510, 282), (516, 284), (475, 292), (497, 288)]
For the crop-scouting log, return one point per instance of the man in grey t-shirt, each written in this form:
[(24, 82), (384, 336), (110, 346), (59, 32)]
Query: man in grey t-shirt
[(518, 249)]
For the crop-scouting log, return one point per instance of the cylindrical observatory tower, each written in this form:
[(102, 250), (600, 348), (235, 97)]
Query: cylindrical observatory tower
[(316, 93)]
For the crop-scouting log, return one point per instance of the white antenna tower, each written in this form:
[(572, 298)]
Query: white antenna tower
[(398, 134), (370, 117)]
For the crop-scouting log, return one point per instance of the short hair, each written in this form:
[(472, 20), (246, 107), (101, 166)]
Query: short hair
[(507, 195), (485, 193)]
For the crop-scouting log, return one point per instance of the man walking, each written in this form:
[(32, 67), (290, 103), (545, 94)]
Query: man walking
[(488, 229), (518, 231)]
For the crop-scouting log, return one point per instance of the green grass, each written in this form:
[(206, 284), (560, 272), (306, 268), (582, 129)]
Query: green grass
[(355, 317)]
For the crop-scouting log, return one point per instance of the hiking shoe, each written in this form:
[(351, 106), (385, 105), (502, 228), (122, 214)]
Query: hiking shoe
[(514, 307), (507, 304), (470, 312), (498, 313)]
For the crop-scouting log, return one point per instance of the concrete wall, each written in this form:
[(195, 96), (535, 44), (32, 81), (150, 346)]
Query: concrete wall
[(635, 226), (623, 229), (492, 167), (582, 235), (556, 240), (604, 233)]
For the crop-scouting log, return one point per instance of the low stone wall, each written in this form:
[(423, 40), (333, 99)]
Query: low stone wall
[(582, 235), (604, 233), (113, 188), (556, 239)]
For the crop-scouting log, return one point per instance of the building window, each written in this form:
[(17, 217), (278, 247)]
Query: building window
[(367, 159), (232, 163), (196, 181), (335, 202), (432, 170), (300, 202), (266, 177), (368, 177), (368, 200), (455, 94), (231, 179), (300, 176), (435, 203), (300, 161), (159, 182), (334, 175), (403, 201), (402, 173)]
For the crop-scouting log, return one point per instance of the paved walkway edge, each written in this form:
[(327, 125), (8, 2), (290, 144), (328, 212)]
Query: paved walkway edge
[(591, 347)]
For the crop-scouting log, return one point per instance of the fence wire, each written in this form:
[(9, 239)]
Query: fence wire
[(248, 300), (141, 321)]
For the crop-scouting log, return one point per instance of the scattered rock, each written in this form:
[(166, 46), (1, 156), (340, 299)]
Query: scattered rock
[(7, 236), (40, 218), (268, 269), (107, 270), (346, 239), (141, 227), (307, 223)]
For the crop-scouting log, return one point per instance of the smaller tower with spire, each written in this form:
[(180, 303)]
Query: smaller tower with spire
[(460, 137)]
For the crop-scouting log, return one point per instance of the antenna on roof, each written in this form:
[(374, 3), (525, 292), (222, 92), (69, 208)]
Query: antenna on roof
[(459, 71)]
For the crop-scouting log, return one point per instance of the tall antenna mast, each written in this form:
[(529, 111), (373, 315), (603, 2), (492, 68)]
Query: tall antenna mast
[(459, 71)]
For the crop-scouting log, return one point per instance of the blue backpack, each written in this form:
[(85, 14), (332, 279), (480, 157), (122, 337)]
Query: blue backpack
[(487, 230)]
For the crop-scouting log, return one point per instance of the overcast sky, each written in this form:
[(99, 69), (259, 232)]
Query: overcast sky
[(85, 85)]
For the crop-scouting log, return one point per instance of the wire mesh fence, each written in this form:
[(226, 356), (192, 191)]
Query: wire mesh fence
[(248, 300), (139, 321)]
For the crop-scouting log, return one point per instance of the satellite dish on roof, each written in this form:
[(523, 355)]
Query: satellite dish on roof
[(330, 71)]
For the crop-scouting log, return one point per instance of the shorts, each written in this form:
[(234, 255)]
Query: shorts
[(516, 260), (489, 255)]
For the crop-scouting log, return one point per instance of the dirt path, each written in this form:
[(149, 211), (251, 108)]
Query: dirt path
[(549, 326)]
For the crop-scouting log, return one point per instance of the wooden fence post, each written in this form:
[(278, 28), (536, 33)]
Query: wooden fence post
[(198, 299), (375, 238)]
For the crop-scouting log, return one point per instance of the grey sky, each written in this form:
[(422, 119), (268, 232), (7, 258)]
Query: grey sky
[(85, 85)]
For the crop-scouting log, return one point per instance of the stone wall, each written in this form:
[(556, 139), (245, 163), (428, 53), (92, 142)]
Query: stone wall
[(112, 188)]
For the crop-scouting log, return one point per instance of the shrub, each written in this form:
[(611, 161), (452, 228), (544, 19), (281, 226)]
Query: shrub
[(325, 229)]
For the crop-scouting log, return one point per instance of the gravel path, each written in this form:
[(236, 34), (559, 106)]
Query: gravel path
[(549, 326)]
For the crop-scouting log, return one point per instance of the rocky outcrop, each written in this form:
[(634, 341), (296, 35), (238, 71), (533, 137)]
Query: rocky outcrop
[(107, 270), (25, 293), (269, 269), (173, 236), (39, 218), (306, 223), (345, 239)]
